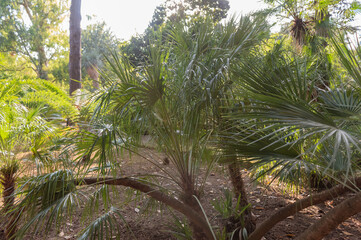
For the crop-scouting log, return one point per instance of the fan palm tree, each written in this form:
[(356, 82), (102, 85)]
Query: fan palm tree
[(9, 167), (290, 133), (23, 126), (177, 97), (18, 127)]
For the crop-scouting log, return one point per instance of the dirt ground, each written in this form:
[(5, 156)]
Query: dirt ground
[(265, 201)]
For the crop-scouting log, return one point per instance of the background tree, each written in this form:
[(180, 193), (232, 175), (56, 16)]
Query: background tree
[(31, 28), (180, 10), (310, 20), (137, 48), (164, 17), (218, 9), (75, 46), (96, 41)]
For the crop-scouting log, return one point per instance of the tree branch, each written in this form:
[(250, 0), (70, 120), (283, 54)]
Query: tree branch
[(27, 9), (156, 194), (289, 210)]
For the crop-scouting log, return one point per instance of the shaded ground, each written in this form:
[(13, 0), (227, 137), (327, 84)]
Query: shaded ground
[(156, 226)]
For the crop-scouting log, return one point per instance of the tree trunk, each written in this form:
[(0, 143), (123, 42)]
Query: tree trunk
[(291, 209), (42, 72), (239, 190), (94, 75), (8, 179), (332, 219), (75, 46), (189, 199)]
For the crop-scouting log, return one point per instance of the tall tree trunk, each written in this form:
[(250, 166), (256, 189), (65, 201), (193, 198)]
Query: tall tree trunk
[(94, 75), (75, 46), (234, 170)]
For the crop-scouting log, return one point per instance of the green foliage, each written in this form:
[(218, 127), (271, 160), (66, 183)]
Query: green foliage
[(180, 229), (104, 227), (297, 122), (197, 9), (28, 27), (310, 23), (216, 9), (164, 18), (30, 111), (34, 93), (225, 206), (173, 97), (200, 90), (232, 214), (59, 71), (50, 196), (137, 48), (97, 41)]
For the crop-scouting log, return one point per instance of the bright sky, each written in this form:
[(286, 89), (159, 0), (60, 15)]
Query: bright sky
[(128, 17)]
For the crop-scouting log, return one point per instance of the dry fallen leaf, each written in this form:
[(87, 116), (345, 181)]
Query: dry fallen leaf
[(347, 233), (329, 203)]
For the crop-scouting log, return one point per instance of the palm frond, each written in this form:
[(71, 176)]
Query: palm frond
[(105, 226)]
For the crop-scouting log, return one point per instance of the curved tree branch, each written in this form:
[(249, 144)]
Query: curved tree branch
[(332, 219), (291, 209), (156, 194), (27, 9)]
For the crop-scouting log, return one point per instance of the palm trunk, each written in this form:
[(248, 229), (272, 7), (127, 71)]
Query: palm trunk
[(332, 219), (198, 223), (189, 199), (291, 209), (94, 75), (8, 179), (249, 224)]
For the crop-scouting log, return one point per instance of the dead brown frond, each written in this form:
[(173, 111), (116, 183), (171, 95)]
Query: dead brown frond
[(299, 30)]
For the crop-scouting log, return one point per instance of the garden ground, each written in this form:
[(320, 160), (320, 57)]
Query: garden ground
[(265, 200)]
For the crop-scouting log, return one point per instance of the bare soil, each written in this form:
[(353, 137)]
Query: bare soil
[(265, 201)]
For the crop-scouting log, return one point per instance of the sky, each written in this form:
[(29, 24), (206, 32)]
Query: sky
[(128, 17)]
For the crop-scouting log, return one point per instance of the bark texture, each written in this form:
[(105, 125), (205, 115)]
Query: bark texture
[(332, 219), (7, 179), (43, 63), (75, 46), (189, 199), (291, 209)]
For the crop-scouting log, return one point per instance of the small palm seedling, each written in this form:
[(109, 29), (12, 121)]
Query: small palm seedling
[(233, 215)]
